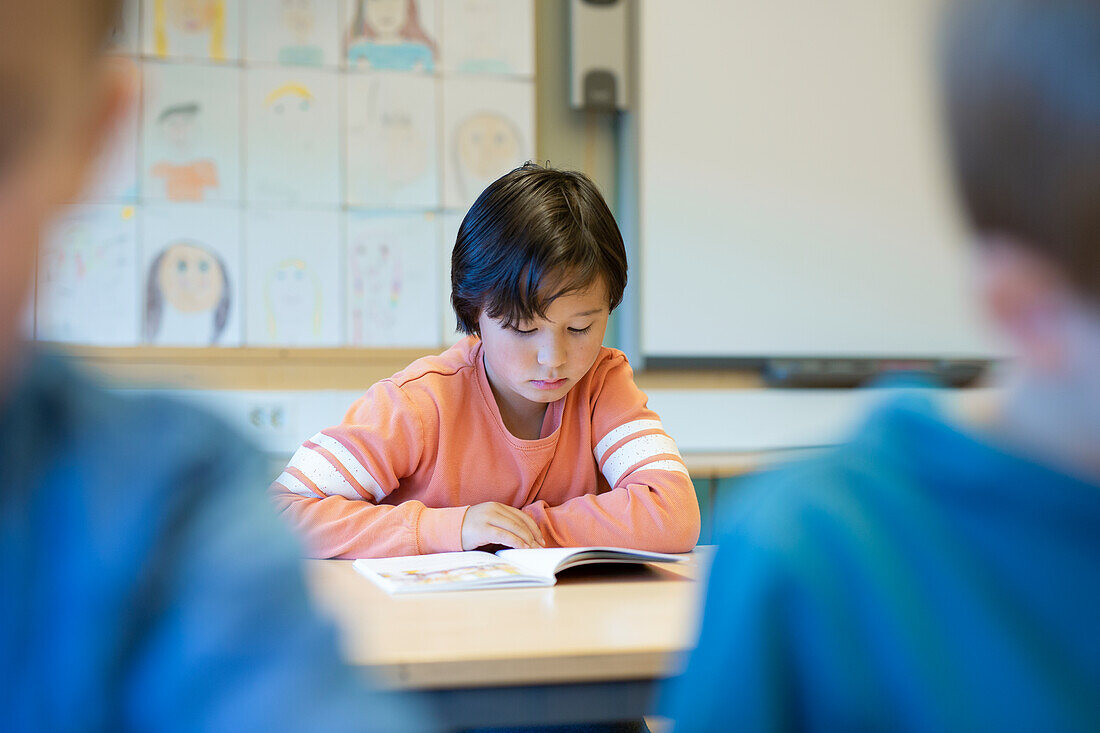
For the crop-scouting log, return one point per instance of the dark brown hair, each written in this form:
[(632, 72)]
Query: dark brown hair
[(1021, 83), (534, 235)]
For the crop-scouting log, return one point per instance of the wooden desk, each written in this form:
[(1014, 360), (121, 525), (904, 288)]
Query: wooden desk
[(591, 648)]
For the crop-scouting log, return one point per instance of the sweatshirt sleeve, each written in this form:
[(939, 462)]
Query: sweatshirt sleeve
[(334, 487), (652, 503)]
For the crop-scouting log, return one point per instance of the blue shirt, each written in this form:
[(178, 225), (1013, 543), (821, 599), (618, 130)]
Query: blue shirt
[(917, 578), (146, 582), (403, 56)]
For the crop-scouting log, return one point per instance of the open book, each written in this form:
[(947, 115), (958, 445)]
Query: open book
[(505, 569)]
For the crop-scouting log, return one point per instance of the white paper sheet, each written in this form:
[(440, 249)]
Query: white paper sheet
[(393, 279), (392, 139), (88, 278), (451, 222), (292, 32), (292, 275), (489, 129), (191, 133), (191, 276), (391, 35), (191, 29), (489, 37), (292, 140)]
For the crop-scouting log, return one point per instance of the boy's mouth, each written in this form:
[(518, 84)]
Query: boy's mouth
[(549, 384)]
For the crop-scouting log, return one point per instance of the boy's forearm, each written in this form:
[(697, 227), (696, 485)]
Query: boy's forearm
[(658, 512), (335, 527)]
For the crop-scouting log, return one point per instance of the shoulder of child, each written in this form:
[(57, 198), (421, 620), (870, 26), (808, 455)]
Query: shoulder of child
[(458, 360), (609, 363)]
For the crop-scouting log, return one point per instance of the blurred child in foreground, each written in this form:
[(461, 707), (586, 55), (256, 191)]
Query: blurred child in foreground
[(145, 582), (930, 575)]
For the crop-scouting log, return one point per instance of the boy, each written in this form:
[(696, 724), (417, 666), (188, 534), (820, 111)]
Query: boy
[(144, 582), (931, 576), (527, 433)]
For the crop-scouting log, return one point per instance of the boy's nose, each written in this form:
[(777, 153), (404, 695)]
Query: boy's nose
[(551, 353)]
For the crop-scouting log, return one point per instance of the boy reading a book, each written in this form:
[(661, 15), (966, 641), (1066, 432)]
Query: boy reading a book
[(528, 432)]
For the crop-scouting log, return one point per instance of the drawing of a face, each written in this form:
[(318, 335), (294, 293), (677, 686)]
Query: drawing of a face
[(292, 296), (488, 145), (387, 18), (190, 278), (193, 16), (289, 285), (405, 155), (290, 117), (179, 125), (300, 17)]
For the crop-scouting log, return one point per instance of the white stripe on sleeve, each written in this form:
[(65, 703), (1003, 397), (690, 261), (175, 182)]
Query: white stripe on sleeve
[(636, 451), (317, 468), (623, 431), (666, 465), (351, 463), (291, 483)]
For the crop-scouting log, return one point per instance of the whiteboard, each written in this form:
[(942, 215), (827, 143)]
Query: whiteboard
[(793, 192)]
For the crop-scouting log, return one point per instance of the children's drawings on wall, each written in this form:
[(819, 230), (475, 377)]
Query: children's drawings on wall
[(293, 137), (391, 141), (392, 279), (192, 29), (214, 215), (191, 283), (391, 35), (293, 32), (87, 277), (191, 133), (487, 131), (293, 277), (489, 37)]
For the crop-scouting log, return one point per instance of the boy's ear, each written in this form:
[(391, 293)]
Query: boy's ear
[(116, 93), (1027, 299)]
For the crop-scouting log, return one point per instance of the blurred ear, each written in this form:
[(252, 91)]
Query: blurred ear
[(1027, 299), (115, 94)]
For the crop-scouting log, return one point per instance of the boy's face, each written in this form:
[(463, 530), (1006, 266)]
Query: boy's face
[(56, 104), (541, 360)]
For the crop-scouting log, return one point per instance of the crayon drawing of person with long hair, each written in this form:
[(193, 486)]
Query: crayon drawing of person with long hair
[(387, 35)]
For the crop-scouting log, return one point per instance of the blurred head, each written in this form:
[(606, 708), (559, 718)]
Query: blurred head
[(59, 99), (537, 268), (1022, 92)]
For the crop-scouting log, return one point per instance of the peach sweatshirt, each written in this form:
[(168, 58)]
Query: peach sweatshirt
[(418, 449)]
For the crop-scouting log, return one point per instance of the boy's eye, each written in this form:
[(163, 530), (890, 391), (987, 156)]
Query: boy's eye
[(579, 331), (519, 330)]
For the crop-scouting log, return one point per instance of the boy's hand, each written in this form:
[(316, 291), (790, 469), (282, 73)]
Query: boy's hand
[(493, 523)]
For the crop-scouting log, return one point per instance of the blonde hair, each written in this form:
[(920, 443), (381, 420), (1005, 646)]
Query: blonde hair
[(289, 88), (217, 30)]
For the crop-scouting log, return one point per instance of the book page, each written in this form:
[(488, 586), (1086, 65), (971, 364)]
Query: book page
[(549, 560), (446, 571)]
